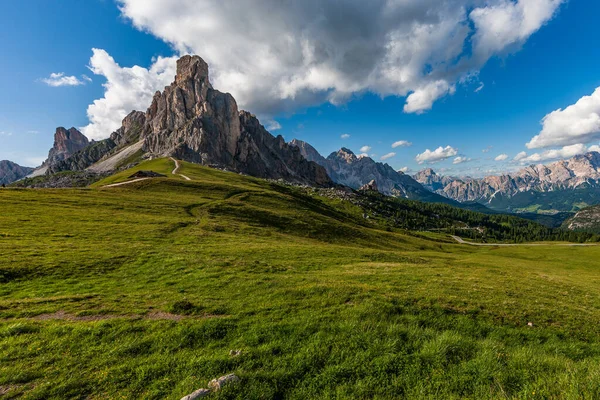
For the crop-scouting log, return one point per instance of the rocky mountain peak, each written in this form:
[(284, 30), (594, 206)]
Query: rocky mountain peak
[(66, 143), (344, 154), (11, 172)]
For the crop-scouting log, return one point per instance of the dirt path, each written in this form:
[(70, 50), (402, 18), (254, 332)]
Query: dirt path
[(176, 170), (462, 241), (125, 183)]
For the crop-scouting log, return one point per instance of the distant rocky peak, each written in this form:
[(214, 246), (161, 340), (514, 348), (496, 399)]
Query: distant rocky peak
[(66, 143), (344, 154)]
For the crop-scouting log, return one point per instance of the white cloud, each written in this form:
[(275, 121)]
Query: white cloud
[(504, 25), (554, 154), (125, 90), (365, 149), (363, 155), (422, 99), (58, 79), (522, 155), (345, 136), (273, 125), (388, 156), (578, 123), (501, 157), (404, 170), (595, 148), (480, 87), (487, 149), (439, 154), (461, 160), (276, 56), (401, 143), (3, 133)]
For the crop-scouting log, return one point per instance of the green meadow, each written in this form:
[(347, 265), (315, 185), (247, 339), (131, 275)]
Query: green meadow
[(141, 291)]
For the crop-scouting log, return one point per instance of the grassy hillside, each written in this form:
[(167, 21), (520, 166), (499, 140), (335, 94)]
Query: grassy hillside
[(141, 291)]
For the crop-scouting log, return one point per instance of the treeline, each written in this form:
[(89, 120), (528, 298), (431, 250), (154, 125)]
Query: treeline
[(419, 216)]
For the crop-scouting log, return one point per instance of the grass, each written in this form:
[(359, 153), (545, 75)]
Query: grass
[(155, 282)]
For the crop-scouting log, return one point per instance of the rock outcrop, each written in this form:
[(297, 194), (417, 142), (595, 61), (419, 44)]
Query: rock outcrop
[(11, 172), (369, 187), (345, 168), (128, 134), (66, 143), (192, 121)]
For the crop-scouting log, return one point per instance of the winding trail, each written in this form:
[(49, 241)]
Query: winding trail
[(125, 183), (176, 170), (462, 241)]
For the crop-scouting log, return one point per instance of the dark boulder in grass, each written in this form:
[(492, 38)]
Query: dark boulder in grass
[(147, 174)]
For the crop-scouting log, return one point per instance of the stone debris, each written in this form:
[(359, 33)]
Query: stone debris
[(217, 384), (198, 394), (235, 353), (214, 386)]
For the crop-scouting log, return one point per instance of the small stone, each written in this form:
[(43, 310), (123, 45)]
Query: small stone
[(217, 384), (235, 353), (198, 394), (530, 324)]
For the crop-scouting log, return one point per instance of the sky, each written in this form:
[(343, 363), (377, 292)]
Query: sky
[(466, 87)]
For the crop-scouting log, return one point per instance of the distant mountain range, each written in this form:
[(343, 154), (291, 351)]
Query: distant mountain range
[(346, 168), (10, 172), (563, 186)]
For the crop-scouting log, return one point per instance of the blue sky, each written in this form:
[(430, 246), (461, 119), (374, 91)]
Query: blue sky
[(552, 68)]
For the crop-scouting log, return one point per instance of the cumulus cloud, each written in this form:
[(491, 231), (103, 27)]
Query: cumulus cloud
[(126, 89), (58, 79), (487, 149), (276, 56), (505, 24), (423, 98), (520, 156), (553, 154), (461, 160), (578, 123), (345, 136), (388, 156), (401, 143), (595, 148), (273, 125), (404, 170), (365, 149), (439, 154), (501, 157)]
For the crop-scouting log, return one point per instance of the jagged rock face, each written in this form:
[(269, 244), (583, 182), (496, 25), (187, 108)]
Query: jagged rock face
[(431, 180), (128, 134), (587, 219), (261, 154), (191, 121), (579, 171), (369, 187), (345, 168), (83, 158), (131, 129), (11, 172), (66, 143)]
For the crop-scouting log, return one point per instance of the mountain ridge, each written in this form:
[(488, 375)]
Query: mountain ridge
[(579, 173)]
